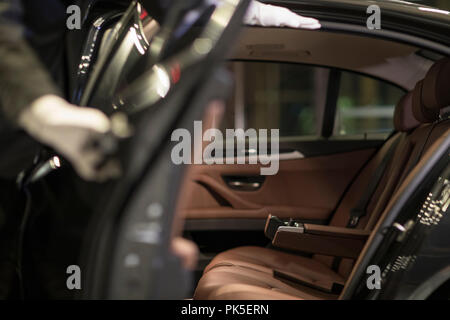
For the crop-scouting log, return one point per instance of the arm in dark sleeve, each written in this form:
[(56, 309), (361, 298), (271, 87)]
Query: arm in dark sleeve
[(23, 78)]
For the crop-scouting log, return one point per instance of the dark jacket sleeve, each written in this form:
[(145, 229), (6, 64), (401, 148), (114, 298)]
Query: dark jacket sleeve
[(23, 78)]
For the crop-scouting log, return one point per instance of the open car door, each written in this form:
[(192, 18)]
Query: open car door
[(127, 249)]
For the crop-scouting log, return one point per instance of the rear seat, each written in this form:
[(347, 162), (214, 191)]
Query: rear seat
[(248, 272)]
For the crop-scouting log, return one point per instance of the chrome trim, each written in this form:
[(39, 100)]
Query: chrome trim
[(294, 155), (299, 229)]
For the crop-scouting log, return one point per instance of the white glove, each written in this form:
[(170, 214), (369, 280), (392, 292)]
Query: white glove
[(272, 16), (68, 129), (187, 251)]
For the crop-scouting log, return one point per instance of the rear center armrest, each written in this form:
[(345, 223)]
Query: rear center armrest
[(341, 232), (320, 239)]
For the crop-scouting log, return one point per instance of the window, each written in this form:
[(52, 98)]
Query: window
[(292, 97), (283, 96), (365, 106)]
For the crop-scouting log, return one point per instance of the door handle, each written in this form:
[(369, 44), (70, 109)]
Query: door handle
[(244, 186), (244, 183)]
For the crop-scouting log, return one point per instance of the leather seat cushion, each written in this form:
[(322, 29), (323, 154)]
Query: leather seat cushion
[(254, 267), (266, 260), (242, 283)]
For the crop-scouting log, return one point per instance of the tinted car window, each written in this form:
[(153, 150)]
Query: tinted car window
[(291, 97), (365, 106), (283, 96)]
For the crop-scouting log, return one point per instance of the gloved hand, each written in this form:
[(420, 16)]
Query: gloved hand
[(69, 130), (187, 251), (272, 16)]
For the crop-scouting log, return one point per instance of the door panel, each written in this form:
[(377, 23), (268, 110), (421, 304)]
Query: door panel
[(305, 189)]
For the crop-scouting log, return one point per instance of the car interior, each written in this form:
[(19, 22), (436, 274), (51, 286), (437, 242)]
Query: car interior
[(358, 116), (333, 185)]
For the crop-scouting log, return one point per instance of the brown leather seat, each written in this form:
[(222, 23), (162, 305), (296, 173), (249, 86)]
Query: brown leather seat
[(254, 266), (248, 272)]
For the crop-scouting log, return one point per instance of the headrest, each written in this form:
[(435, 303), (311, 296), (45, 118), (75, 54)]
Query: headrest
[(436, 85), (404, 119), (420, 112), (423, 104)]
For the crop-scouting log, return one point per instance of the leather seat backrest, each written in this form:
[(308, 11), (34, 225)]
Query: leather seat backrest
[(415, 119)]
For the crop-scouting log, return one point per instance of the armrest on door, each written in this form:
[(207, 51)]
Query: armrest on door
[(326, 240)]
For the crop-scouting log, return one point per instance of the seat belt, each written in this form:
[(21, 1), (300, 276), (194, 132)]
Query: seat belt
[(328, 286), (419, 155), (361, 208)]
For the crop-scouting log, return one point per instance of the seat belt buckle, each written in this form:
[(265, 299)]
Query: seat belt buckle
[(354, 220)]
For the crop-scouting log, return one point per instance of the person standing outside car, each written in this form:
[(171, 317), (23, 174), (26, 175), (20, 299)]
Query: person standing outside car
[(33, 108), (32, 78)]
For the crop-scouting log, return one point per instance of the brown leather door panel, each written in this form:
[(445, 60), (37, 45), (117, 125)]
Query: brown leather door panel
[(307, 188)]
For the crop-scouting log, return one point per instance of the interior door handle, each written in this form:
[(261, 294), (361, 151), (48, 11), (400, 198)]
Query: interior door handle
[(244, 186)]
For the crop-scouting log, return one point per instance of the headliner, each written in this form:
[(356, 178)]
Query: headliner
[(395, 62)]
